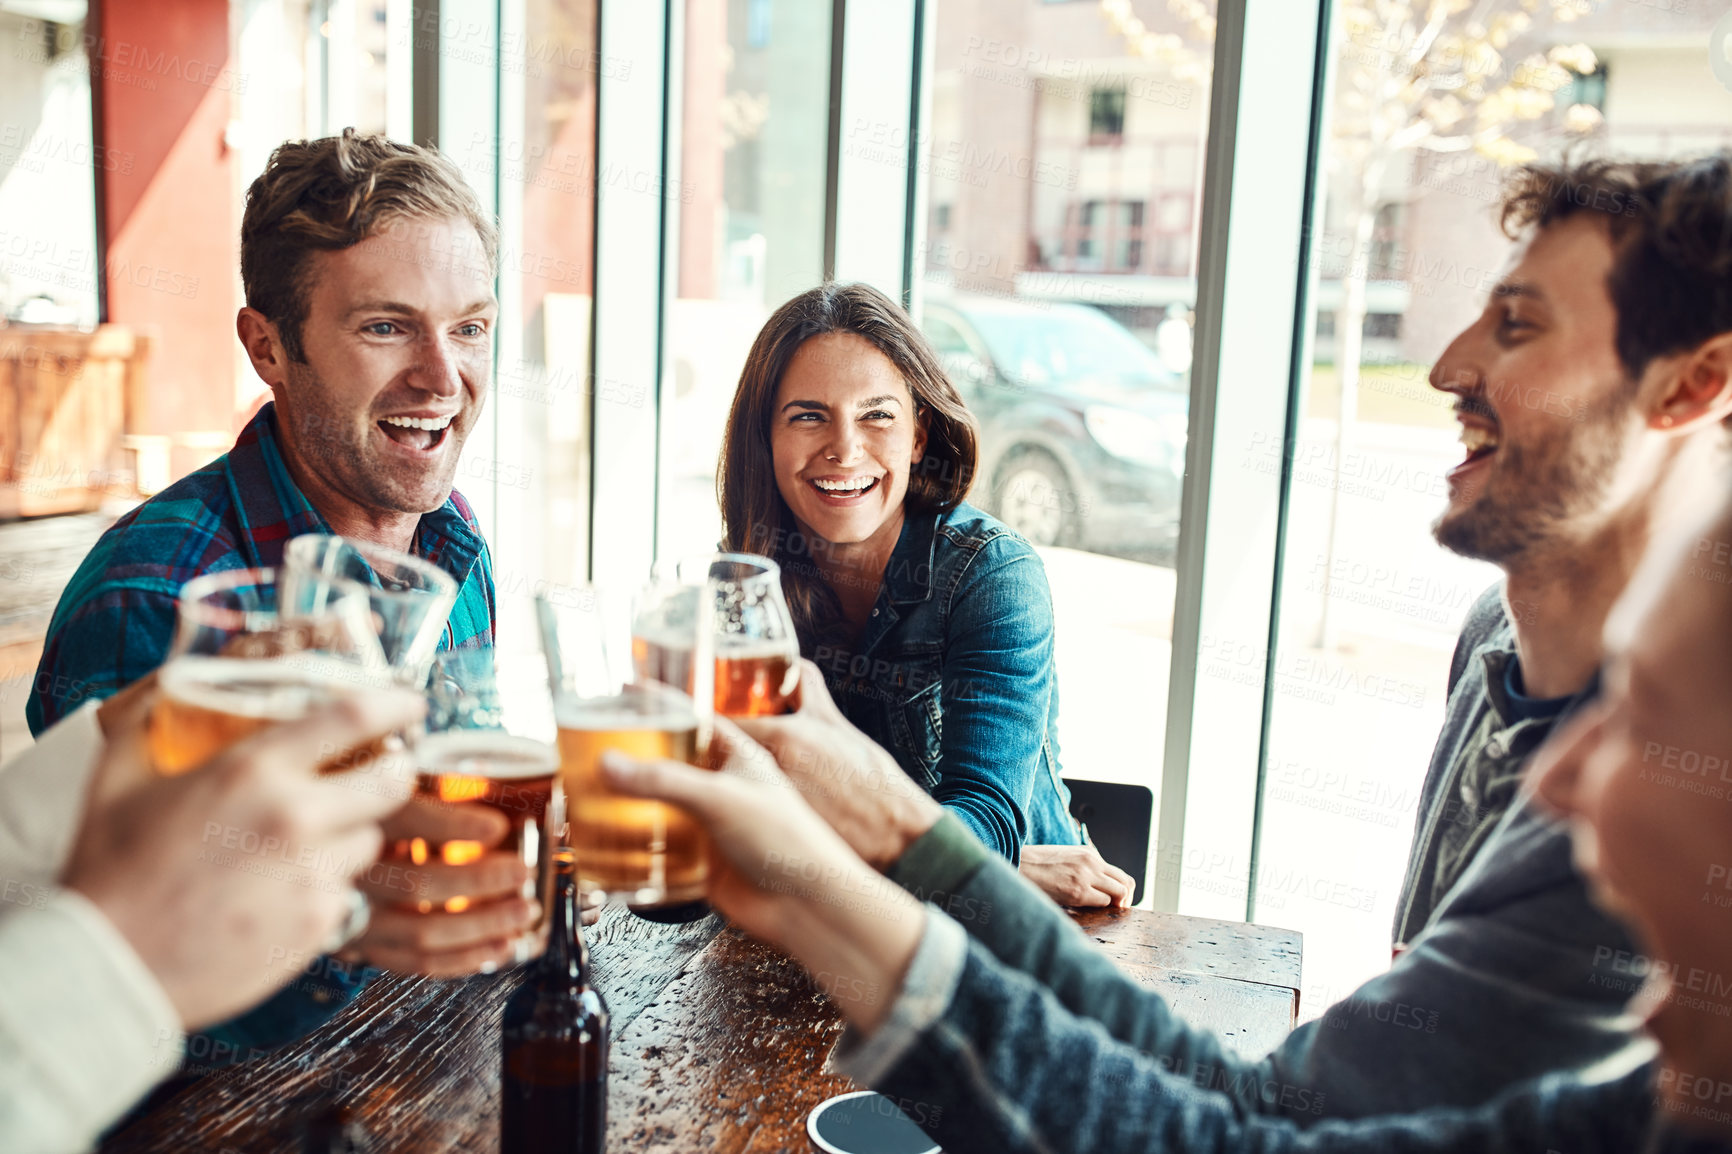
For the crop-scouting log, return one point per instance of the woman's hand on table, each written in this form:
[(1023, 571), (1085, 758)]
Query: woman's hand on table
[(227, 880), (1076, 875), (783, 875), (845, 776)]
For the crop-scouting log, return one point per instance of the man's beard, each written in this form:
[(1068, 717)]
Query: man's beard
[(324, 433), (1530, 496)]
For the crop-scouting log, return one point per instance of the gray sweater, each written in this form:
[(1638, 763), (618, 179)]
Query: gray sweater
[(1013, 1034), (1476, 766), (1518, 974)]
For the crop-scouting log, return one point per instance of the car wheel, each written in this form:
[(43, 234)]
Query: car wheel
[(1032, 495)]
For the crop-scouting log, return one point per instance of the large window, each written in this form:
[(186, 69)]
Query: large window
[(535, 465), (1053, 132), (48, 161), (1369, 603), (753, 134)]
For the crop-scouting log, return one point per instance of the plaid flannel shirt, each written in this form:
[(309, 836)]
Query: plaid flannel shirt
[(116, 617)]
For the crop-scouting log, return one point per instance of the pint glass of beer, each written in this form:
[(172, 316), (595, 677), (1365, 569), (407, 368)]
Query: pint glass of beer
[(410, 597), (487, 742), (647, 853), (248, 652), (757, 652)]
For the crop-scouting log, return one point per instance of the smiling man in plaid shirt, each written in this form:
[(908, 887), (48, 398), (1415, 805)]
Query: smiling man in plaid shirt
[(368, 267)]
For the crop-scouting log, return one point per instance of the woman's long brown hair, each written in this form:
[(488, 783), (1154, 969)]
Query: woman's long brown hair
[(756, 519)]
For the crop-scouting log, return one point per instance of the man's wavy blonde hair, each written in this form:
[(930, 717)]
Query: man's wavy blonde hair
[(334, 192)]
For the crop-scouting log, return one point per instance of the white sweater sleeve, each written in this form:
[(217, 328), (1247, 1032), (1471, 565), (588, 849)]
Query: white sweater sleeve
[(85, 1028), (42, 792)]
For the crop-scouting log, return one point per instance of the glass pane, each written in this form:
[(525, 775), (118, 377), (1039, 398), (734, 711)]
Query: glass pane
[(302, 69), (1370, 604), (50, 275), (1054, 129), (308, 68), (546, 166), (753, 135), (352, 43), (48, 271)]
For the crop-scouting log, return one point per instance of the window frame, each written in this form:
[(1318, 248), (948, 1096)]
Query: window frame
[(1262, 148)]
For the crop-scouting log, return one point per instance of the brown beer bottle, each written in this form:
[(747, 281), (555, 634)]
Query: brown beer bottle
[(554, 1043)]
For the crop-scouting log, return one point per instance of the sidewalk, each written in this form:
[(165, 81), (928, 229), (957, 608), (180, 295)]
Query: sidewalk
[(37, 558)]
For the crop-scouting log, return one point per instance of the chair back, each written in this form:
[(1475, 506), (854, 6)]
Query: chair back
[(1118, 818)]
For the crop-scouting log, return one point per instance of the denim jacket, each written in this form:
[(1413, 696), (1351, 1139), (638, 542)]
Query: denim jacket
[(1013, 1033), (955, 677)]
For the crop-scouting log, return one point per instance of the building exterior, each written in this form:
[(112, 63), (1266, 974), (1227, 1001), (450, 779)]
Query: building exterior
[(1063, 166)]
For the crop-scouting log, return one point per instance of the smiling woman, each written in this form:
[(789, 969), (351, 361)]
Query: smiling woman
[(847, 456), (845, 435)]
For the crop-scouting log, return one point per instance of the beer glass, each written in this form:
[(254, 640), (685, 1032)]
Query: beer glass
[(647, 853), (410, 597), (487, 741), (757, 652), (249, 651)]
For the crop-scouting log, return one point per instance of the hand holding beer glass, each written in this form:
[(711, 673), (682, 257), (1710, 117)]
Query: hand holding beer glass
[(446, 902), (488, 744), (757, 650), (647, 853), (250, 650)]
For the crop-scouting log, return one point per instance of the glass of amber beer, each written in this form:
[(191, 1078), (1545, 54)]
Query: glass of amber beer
[(647, 853), (488, 741), (248, 652), (410, 597), (757, 650)]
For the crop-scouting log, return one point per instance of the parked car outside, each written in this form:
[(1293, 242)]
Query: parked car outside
[(1082, 427)]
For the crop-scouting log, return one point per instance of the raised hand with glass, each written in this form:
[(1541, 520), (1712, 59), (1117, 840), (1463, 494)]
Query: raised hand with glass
[(251, 648), (757, 650), (488, 742), (647, 853)]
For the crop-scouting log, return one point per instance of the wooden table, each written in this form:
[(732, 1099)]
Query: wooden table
[(718, 1043)]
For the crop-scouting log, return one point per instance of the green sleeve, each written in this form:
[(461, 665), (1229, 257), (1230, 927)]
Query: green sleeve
[(949, 867), (940, 861)]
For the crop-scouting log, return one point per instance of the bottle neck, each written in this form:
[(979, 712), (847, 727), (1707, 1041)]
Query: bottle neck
[(567, 956)]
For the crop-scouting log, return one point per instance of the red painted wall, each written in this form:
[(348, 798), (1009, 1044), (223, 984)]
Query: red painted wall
[(161, 81)]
